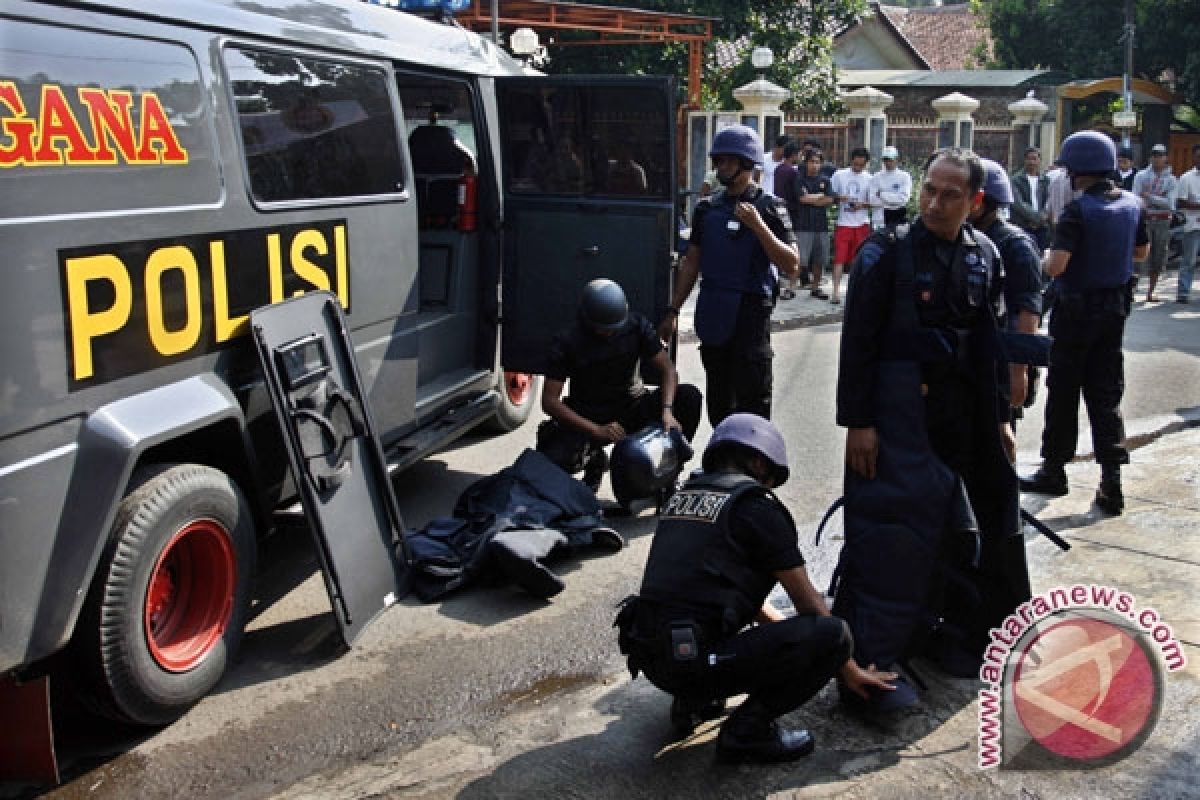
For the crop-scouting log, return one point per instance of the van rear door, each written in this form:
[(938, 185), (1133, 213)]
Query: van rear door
[(589, 191)]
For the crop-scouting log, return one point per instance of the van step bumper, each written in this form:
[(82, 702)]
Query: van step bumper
[(424, 441)]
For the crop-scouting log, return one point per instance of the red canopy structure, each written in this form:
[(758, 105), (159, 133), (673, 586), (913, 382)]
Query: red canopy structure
[(611, 24)]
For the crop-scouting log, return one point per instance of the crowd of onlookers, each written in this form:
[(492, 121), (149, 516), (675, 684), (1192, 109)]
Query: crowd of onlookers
[(798, 173)]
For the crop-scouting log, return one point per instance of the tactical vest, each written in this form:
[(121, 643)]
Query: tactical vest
[(733, 265), (696, 565), (1014, 246), (1104, 257)]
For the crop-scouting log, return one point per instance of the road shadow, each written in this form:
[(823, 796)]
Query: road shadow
[(637, 756)]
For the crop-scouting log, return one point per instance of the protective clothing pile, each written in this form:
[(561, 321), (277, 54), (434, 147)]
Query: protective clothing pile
[(504, 526)]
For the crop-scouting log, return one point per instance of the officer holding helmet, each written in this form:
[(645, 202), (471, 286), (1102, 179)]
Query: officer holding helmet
[(1096, 241), (738, 233), (723, 542), (601, 356), (1022, 270)]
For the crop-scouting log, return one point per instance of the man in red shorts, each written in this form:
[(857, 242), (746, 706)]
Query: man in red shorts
[(851, 187)]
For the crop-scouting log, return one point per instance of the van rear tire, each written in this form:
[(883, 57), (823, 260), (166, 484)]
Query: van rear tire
[(519, 393), (167, 608)]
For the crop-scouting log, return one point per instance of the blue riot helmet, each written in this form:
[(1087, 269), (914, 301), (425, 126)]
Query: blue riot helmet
[(756, 433), (1088, 153), (647, 462), (603, 306), (737, 140), (995, 183)]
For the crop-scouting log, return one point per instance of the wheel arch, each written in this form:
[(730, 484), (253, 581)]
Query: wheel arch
[(194, 420)]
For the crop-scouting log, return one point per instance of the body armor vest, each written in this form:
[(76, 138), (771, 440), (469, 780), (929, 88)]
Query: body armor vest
[(733, 265), (1104, 258), (696, 565)]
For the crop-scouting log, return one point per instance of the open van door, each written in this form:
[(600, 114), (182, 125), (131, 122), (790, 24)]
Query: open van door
[(589, 192)]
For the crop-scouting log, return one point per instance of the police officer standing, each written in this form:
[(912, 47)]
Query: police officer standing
[(601, 356), (1022, 270), (1096, 241), (927, 415), (723, 542), (738, 233)]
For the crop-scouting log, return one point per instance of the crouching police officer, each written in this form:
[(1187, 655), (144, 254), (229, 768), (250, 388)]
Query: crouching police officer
[(1096, 241), (601, 355), (723, 542)]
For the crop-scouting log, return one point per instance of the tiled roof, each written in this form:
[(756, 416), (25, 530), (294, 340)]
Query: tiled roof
[(945, 36)]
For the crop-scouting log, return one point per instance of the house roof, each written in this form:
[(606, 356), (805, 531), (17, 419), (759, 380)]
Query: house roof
[(945, 37), (978, 78)]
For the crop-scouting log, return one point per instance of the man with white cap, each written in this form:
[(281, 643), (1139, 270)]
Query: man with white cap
[(1155, 186), (890, 191)]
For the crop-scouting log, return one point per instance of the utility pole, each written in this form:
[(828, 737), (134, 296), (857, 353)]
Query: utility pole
[(1127, 78), (496, 32)]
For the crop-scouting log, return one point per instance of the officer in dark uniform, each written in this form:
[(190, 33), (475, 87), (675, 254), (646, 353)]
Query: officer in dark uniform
[(738, 233), (1096, 241), (928, 433), (601, 355), (723, 542), (1022, 271)]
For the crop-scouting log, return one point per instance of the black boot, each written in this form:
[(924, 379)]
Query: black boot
[(752, 735), (687, 714), (593, 469), (1108, 496), (1050, 479)]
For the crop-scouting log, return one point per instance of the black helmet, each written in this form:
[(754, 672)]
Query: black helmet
[(604, 306), (647, 462)]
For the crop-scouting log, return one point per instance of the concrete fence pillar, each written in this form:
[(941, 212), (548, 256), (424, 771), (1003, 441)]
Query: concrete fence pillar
[(866, 121), (956, 126)]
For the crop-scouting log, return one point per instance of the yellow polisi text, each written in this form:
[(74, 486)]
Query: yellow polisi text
[(138, 305)]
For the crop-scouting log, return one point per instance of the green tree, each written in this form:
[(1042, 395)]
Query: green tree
[(1083, 38), (799, 32)]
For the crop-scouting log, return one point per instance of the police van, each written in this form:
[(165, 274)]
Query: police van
[(170, 170)]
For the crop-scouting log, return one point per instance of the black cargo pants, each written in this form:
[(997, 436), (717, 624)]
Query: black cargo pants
[(738, 373), (1086, 359)]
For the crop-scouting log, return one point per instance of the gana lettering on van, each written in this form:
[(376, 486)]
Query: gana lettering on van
[(134, 306), (55, 136)]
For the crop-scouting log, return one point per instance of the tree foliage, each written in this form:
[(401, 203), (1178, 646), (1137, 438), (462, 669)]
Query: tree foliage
[(1083, 38), (799, 32)]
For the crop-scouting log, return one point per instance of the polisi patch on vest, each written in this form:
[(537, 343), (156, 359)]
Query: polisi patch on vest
[(695, 505), (134, 306)]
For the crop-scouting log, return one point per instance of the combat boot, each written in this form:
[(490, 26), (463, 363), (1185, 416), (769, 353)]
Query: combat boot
[(593, 469), (752, 735), (1109, 497), (1050, 479)]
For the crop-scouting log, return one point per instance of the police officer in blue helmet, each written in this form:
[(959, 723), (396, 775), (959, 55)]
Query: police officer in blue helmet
[(723, 541), (1022, 283), (1096, 241), (739, 235)]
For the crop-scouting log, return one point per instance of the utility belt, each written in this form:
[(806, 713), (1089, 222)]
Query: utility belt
[(1095, 303), (952, 347), (671, 643), (1158, 216)]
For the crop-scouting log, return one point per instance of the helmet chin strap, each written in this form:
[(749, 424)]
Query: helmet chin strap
[(732, 179)]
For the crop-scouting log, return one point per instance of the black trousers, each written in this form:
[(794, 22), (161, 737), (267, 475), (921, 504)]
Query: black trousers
[(1085, 359), (738, 374), (570, 448), (780, 664)]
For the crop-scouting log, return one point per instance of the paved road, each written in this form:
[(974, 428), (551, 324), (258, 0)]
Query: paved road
[(486, 659)]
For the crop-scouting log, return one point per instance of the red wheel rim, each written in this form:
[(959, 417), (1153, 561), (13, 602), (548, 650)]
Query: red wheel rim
[(190, 596), (518, 384)]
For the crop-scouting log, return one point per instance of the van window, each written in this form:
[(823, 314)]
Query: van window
[(314, 129), (597, 141), (439, 120), (93, 122)]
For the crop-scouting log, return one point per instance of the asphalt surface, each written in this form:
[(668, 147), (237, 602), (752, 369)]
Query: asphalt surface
[(491, 693)]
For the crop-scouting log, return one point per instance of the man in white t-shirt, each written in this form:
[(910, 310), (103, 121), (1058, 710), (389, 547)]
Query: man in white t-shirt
[(771, 161), (1187, 200), (852, 190), (891, 189)]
